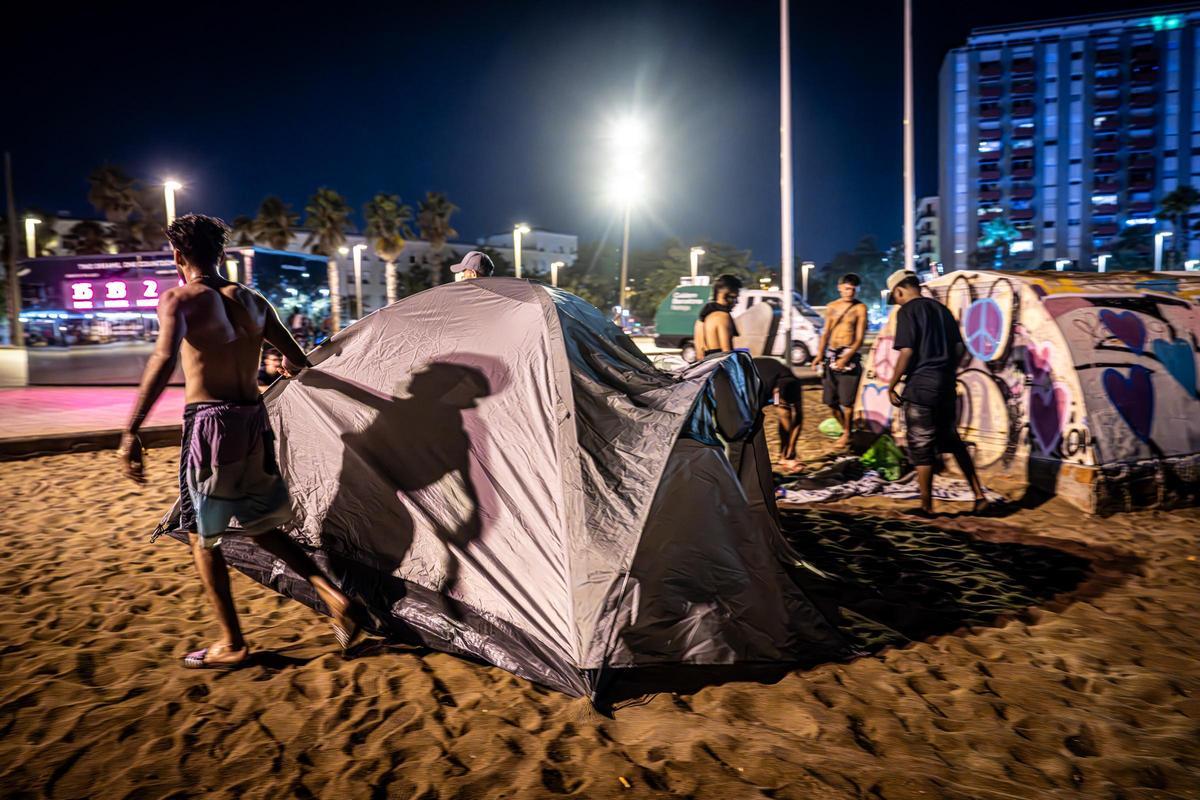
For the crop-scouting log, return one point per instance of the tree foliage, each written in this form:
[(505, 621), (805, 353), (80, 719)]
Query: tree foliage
[(433, 222), (328, 215), (275, 223), (1177, 208)]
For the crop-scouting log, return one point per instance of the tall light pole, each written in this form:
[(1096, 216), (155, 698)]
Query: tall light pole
[(31, 224), (248, 266), (787, 266), (627, 138), (555, 266), (518, 231), (16, 334), (1158, 249), (169, 190), (358, 248), (1102, 262), (695, 254), (804, 270), (910, 191)]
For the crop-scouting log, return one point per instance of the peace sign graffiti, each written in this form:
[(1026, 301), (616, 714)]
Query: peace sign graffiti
[(983, 326)]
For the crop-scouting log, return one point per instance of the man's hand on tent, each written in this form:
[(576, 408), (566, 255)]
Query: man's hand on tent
[(290, 369)]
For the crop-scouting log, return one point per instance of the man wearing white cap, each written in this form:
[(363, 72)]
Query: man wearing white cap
[(930, 348), (473, 265)]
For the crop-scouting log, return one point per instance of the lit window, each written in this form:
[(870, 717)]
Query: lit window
[(1104, 199), (1098, 122), (1023, 246), (989, 147)]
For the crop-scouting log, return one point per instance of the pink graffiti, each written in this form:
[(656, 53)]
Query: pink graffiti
[(1038, 358), (877, 409), (885, 358), (1047, 413)]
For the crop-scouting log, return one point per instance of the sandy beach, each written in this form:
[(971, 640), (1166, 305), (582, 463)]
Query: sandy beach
[(1045, 654)]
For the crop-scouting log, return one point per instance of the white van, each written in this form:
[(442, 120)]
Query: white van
[(678, 312)]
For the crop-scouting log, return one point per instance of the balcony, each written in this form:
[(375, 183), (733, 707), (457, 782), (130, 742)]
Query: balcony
[(1021, 214), (1104, 211), (1106, 123), (1022, 172), (990, 112), (1144, 52), (990, 157), (1107, 104), (987, 216), (1110, 145), (1142, 161), (1105, 186), (1021, 192), (1142, 143), (991, 69), (990, 91), (1022, 66), (1108, 80), (1023, 152), (1141, 207), (989, 134), (1106, 166), (1144, 99), (1141, 76), (989, 196), (1141, 184), (1023, 88), (1108, 56), (1104, 229), (1023, 108), (989, 174), (1027, 234)]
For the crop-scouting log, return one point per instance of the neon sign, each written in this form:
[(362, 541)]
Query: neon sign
[(115, 293)]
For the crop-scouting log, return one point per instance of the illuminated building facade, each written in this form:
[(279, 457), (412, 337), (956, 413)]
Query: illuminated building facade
[(1071, 129)]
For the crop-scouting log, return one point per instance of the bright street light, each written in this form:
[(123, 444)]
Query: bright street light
[(1191, 265), (804, 269), (343, 251), (170, 187), (695, 254), (31, 224), (627, 185), (1158, 249), (358, 248), (1062, 264), (555, 266), (1102, 262), (519, 230)]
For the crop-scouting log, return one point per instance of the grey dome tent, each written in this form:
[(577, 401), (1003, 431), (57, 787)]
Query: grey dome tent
[(495, 468)]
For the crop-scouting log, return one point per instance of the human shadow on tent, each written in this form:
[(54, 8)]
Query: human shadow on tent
[(414, 457)]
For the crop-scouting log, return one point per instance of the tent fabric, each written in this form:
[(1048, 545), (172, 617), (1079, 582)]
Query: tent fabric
[(1088, 380), (494, 468)]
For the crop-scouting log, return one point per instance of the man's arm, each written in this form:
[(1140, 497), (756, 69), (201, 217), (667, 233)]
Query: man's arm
[(901, 367), (282, 340), (172, 325), (820, 354)]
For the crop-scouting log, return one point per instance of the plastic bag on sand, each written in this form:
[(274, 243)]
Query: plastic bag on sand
[(884, 457), (830, 427)]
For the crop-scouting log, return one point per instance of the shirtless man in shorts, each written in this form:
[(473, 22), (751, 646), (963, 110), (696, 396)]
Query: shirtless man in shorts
[(715, 329), (227, 466), (838, 352)]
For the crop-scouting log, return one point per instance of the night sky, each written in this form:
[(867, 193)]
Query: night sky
[(504, 106)]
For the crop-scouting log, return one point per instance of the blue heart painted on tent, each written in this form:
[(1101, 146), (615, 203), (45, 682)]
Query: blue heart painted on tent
[(1133, 397), (1176, 357), (1126, 326)]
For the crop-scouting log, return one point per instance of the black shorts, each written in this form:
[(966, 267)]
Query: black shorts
[(931, 430), (840, 388)]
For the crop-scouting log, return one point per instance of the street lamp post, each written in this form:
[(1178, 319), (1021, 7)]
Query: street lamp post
[(31, 224), (883, 300), (787, 265), (169, 190), (555, 266), (804, 268), (910, 192), (1102, 262), (1158, 249), (695, 254), (358, 248), (518, 232)]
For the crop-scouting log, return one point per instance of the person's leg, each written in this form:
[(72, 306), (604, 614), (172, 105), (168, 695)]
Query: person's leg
[(845, 415), (783, 422), (214, 574), (277, 543), (925, 485), (920, 437), (950, 442)]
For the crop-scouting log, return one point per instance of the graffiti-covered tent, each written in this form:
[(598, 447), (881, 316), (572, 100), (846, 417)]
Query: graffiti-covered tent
[(492, 467), (1086, 381)]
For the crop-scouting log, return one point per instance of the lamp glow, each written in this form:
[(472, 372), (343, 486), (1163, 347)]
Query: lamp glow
[(695, 254), (555, 266), (358, 248), (31, 224), (1158, 249), (170, 187), (519, 230)]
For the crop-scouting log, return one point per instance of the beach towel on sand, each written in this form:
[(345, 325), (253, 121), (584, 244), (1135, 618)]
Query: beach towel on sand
[(229, 471)]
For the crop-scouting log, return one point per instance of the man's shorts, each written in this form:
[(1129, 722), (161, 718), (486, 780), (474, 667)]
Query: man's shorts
[(931, 430), (840, 388)]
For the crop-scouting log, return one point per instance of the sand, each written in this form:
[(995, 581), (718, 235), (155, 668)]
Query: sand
[(1046, 654)]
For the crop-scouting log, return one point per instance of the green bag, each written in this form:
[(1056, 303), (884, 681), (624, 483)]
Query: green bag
[(884, 457), (830, 427)]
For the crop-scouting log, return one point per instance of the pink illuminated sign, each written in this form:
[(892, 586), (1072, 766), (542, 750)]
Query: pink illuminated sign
[(115, 293)]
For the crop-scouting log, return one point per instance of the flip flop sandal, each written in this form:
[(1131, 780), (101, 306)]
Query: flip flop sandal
[(346, 636), (196, 661)]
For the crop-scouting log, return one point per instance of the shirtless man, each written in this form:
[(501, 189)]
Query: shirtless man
[(714, 330), (841, 339), (217, 327)]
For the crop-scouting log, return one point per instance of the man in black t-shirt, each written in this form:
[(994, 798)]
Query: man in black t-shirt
[(930, 348)]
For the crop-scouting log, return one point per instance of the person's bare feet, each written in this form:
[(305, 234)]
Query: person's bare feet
[(341, 608), (218, 654)]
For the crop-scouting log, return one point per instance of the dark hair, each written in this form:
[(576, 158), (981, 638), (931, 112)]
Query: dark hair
[(199, 238), (851, 279), (730, 283), (910, 282)]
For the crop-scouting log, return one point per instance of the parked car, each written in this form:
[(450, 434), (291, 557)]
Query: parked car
[(676, 318)]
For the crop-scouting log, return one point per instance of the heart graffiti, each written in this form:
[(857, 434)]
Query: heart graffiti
[(1047, 413), (1126, 326), (877, 408), (1176, 357), (1037, 360), (1133, 397)]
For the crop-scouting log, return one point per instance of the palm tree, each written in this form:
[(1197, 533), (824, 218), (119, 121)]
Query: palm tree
[(387, 227), (997, 235), (112, 193), (433, 221), (152, 217), (1177, 207), (87, 238), (328, 213), (275, 223), (242, 231)]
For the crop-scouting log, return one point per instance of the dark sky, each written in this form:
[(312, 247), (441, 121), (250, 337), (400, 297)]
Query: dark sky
[(502, 105)]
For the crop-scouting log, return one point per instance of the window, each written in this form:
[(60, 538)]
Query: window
[(1104, 199), (989, 147), (1024, 246)]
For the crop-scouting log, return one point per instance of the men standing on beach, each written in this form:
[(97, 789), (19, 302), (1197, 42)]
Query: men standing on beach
[(474, 264), (227, 468), (714, 330), (838, 352), (930, 348)]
